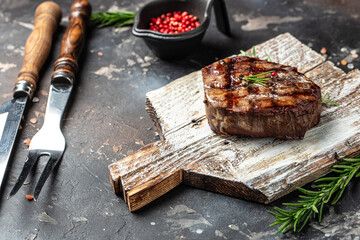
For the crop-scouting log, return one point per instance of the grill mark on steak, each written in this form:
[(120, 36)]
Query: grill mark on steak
[(229, 67), (286, 108), (229, 100)]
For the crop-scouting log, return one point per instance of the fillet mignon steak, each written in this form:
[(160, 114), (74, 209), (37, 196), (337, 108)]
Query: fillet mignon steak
[(285, 107)]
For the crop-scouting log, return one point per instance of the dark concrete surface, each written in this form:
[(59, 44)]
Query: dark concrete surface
[(107, 120)]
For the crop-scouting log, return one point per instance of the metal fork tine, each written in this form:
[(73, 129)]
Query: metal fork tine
[(53, 160), (29, 163)]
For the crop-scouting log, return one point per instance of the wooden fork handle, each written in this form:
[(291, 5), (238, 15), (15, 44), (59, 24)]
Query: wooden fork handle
[(38, 44), (66, 66)]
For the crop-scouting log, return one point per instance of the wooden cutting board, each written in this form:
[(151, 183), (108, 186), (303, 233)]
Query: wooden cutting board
[(260, 170)]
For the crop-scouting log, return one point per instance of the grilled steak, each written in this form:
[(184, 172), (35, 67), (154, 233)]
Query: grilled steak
[(286, 106)]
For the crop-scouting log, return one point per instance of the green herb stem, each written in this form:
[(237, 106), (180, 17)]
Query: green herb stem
[(332, 188), (260, 74), (258, 78), (118, 18), (324, 100), (253, 54)]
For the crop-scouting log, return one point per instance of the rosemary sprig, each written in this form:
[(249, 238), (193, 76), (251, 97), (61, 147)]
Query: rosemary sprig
[(257, 79), (118, 18), (324, 100), (245, 53), (268, 57), (312, 203), (253, 54)]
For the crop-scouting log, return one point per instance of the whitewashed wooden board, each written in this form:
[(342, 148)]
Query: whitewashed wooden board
[(262, 169)]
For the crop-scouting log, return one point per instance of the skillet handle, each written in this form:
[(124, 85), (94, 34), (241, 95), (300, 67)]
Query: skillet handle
[(222, 19)]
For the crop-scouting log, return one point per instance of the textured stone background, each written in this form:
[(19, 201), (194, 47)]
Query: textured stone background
[(107, 121)]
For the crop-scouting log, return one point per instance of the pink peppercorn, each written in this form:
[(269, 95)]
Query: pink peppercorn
[(174, 22)]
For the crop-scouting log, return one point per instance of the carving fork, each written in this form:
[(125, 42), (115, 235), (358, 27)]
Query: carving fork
[(50, 141)]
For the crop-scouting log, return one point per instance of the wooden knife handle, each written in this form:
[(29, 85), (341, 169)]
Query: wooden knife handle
[(66, 66), (38, 44)]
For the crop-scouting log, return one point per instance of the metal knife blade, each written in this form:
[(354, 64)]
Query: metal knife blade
[(37, 49), (11, 113)]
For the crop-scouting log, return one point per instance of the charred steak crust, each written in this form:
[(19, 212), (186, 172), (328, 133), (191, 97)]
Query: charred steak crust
[(286, 108)]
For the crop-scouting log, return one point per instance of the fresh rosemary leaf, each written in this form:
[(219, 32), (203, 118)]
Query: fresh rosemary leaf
[(275, 223), (306, 197), (261, 74), (326, 179), (293, 204), (124, 23), (299, 213), (268, 56), (337, 197), (258, 78), (304, 202), (321, 211), (343, 166), (253, 52), (324, 100), (351, 175), (296, 224), (337, 171), (330, 193), (314, 209), (305, 221), (244, 53), (295, 208), (325, 185), (308, 192), (274, 214), (283, 211), (353, 160), (284, 226), (314, 202), (331, 102)]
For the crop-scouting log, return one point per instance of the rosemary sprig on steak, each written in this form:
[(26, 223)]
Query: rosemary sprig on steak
[(244, 53), (330, 190), (253, 54), (268, 57), (260, 79)]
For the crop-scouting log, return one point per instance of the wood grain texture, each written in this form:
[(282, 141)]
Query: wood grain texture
[(38, 45), (256, 169), (66, 66)]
